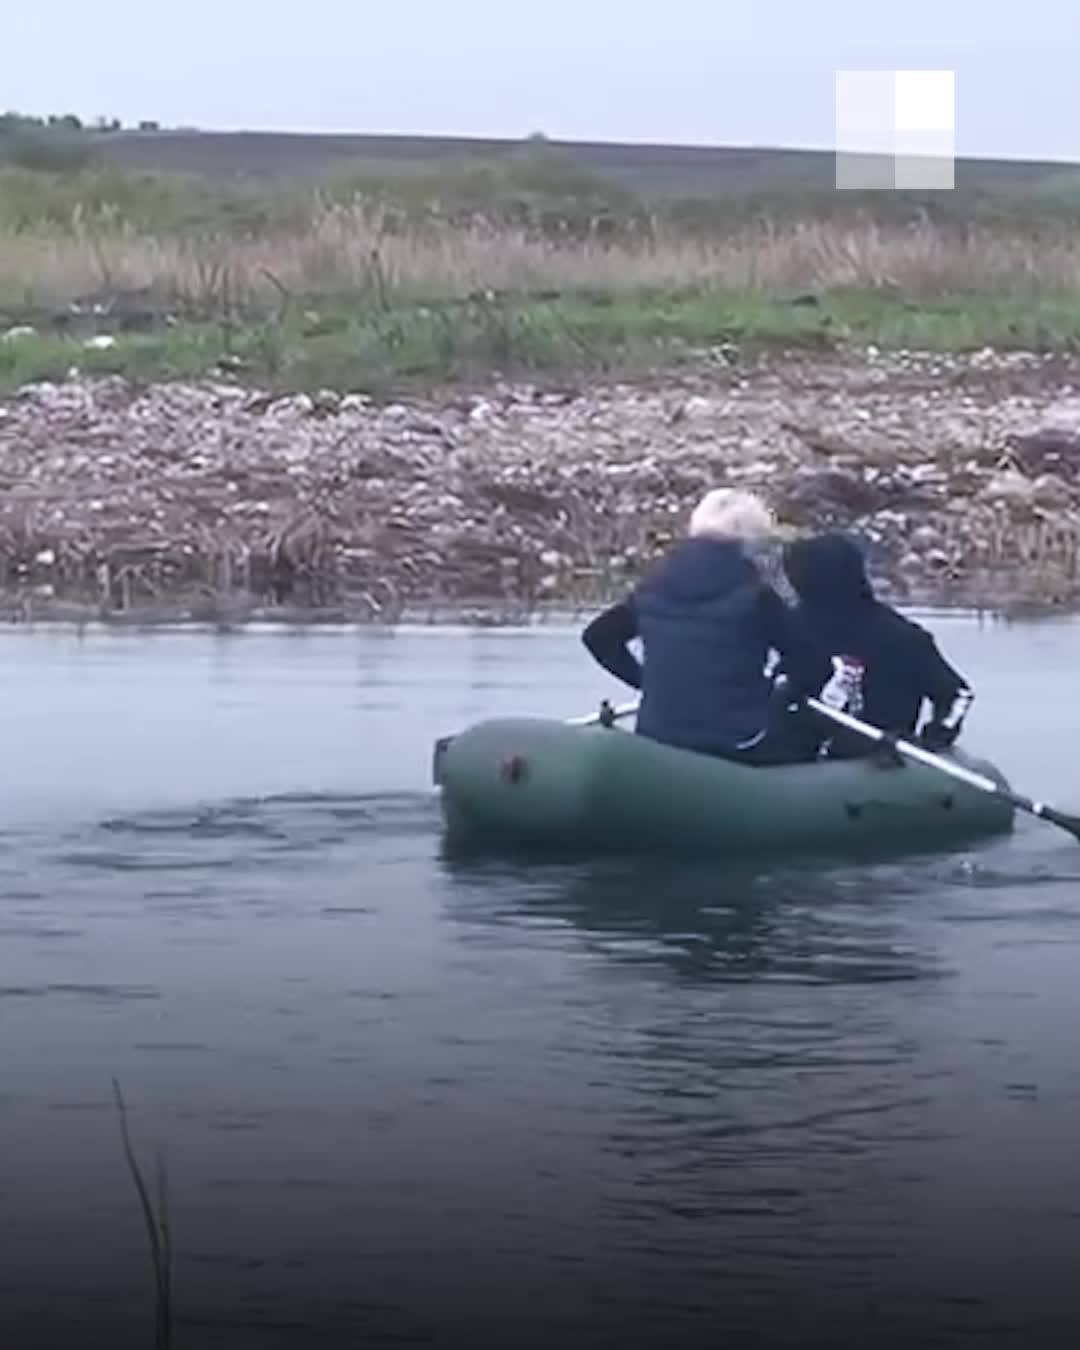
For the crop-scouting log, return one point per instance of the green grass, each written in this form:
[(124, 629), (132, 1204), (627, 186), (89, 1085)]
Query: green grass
[(531, 187), (104, 198), (49, 180), (377, 272), (374, 351)]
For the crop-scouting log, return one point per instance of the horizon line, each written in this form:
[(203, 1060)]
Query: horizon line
[(570, 141)]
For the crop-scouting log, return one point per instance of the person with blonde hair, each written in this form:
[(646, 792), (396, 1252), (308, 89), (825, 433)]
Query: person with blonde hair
[(730, 513), (708, 623)]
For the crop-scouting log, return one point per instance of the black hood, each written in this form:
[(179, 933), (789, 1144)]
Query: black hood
[(701, 569), (828, 572)]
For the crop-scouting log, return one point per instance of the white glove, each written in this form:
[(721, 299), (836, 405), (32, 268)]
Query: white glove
[(835, 694)]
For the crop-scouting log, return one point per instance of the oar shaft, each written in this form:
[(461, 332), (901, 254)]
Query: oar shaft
[(954, 770), (916, 752)]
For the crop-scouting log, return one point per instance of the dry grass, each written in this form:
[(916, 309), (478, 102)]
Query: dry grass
[(350, 249)]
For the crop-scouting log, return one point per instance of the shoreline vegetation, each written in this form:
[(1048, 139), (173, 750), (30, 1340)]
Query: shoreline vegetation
[(489, 385)]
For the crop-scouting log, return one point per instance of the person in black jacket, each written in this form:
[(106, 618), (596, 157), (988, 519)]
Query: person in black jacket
[(707, 623), (886, 666)]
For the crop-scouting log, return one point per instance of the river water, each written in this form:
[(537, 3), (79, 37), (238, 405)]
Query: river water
[(406, 1100)]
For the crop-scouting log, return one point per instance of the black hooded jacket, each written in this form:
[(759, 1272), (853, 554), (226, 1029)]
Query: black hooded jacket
[(902, 664), (707, 623)]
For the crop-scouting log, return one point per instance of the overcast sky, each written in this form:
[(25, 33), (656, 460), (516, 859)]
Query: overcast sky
[(737, 72)]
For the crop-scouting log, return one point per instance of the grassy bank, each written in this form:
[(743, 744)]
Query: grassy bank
[(377, 348), (527, 263), (402, 275)]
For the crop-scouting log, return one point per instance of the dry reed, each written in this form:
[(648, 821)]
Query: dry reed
[(346, 249), (158, 1228)]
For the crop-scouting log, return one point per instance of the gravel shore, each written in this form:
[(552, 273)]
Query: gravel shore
[(213, 501)]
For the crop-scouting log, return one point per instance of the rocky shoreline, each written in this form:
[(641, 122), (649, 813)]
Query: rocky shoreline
[(212, 501)]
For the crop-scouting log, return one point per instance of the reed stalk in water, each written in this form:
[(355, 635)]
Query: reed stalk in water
[(157, 1224)]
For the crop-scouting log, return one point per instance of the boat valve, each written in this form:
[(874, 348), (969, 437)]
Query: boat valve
[(513, 770)]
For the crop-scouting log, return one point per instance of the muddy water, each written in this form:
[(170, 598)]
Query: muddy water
[(406, 1100)]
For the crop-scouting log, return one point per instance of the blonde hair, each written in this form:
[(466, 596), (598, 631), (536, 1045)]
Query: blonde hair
[(730, 513)]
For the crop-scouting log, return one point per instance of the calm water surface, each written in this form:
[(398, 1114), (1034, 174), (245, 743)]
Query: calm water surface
[(404, 1100)]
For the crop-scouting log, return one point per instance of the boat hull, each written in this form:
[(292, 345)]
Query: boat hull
[(541, 784)]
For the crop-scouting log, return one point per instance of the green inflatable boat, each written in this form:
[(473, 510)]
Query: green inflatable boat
[(546, 785)]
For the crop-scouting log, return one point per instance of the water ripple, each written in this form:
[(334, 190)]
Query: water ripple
[(648, 1102)]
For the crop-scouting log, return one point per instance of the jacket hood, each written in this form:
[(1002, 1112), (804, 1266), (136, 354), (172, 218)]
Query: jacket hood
[(703, 569), (827, 572)]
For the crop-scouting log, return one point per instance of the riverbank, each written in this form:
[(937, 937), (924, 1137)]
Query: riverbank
[(213, 501), (526, 268)]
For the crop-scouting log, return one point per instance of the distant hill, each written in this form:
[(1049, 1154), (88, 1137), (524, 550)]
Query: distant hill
[(664, 169)]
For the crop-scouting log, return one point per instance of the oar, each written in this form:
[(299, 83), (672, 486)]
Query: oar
[(957, 771)]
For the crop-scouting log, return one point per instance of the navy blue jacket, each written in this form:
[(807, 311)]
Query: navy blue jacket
[(707, 623)]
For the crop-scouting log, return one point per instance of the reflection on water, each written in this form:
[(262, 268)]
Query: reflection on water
[(812, 924), (414, 1098)]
